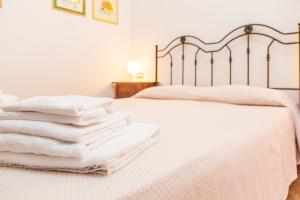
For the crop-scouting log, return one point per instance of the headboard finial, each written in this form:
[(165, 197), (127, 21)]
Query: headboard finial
[(183, 39), (248, 29)]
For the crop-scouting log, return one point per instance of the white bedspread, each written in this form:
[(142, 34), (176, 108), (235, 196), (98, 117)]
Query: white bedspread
[(207, 151)]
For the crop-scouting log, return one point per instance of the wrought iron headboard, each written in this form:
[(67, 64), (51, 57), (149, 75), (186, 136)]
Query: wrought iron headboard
[(201, 46)]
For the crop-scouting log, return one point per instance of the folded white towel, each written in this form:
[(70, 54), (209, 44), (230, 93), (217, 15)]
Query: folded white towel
[(7, 99), (62, 105), (68, 133), (117, 163), (103, 156), (105, 169), (19, 143), (98, 115)]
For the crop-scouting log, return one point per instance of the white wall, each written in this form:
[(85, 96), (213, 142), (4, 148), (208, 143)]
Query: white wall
[(48, 52), (159, 21)]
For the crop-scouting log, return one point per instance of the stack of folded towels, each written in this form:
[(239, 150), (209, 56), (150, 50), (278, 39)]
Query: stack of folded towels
[(71, 134)]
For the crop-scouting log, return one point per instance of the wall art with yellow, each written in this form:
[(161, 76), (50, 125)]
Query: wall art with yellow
[(106, 11)]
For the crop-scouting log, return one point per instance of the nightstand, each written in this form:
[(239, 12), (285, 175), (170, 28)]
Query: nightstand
[(128, 89)]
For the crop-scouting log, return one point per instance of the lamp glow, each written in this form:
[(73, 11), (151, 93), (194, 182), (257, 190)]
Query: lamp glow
[(134, 67)]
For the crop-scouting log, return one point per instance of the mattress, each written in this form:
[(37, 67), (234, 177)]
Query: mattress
[(207, 150)]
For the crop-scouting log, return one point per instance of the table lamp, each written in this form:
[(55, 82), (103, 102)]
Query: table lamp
[(134, 67)]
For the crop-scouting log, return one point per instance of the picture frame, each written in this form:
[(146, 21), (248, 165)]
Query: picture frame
[(106, 11), (0, 3), (77, 7)]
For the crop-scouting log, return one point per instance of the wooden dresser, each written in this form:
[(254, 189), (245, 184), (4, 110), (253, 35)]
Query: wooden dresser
[(128, 89)]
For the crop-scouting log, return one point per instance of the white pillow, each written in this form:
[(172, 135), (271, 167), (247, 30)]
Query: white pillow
[(235, 94)]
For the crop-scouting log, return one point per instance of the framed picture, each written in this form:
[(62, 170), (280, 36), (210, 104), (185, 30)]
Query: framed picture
[(106, 11), (70, 6), (0, 3)]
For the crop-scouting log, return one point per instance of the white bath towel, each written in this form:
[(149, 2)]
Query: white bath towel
[(68, 133), (7, 99), (138, 138), (20, 143), (98, 115), (105, 169), (62, 105)]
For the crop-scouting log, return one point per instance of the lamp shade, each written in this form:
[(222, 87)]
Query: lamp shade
[(134, 67)]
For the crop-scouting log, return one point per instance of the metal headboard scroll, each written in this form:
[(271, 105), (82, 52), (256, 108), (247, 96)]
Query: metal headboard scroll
[(201, 46)]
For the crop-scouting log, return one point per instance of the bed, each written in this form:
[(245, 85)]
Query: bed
[(203, 153)]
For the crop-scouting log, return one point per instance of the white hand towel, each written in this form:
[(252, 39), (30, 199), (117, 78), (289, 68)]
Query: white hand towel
[(62, 105), (137, 135), (7, 99), (68, 133), (91, 117)]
